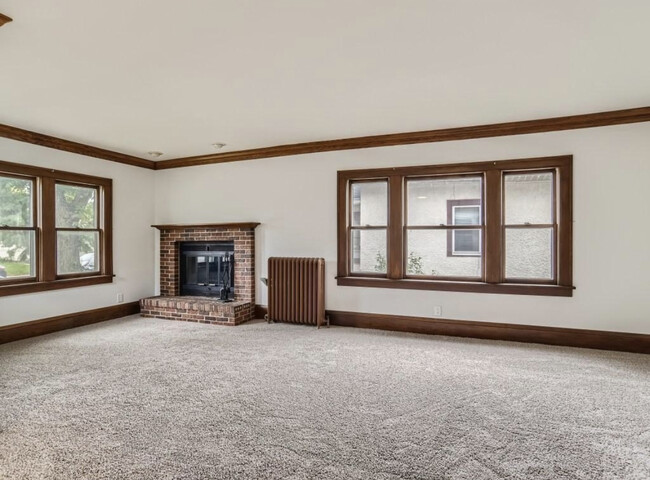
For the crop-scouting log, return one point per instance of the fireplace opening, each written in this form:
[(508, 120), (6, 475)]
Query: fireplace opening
[(208, 269)]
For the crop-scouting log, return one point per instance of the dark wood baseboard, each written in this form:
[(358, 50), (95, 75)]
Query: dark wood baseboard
[(565, 337), (10, 333)]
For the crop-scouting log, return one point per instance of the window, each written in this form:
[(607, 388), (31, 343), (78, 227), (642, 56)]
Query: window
[(77, 229), (368, 226), (17, 229), (430, 228), (494, 227), (55, 229)]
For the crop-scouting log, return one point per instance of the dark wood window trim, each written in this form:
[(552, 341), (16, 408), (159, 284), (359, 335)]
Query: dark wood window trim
[(44, 199), (493, 280)]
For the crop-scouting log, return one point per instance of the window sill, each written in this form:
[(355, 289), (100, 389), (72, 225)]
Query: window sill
[(448, 286), (32, 287)]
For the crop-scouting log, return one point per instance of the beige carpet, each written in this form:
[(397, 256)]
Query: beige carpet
[(156, 399)]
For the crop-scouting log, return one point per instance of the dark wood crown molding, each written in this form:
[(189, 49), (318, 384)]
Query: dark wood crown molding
[(602, 119), (178, 226), (5, 19), (617, 117), (14, 133)]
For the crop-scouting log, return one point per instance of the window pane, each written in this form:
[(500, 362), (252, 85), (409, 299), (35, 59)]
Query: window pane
[(77, 252), (528, 198), (76, 207), (466, 242), (428, 198), (17, 254), (466, 215), (368, 251), (529, 253), (16, 202), (428, 255), (369, 204)]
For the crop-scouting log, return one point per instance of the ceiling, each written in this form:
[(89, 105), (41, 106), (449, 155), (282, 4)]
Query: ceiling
[(135, 76)]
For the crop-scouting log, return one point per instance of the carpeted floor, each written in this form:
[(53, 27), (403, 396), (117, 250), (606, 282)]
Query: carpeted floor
[(155, 399)]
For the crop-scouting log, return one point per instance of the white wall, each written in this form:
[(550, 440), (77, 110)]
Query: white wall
[(295, 199), (133, 238)]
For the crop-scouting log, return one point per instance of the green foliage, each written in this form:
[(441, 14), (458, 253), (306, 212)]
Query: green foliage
[(75, 208), (380, 266), (415, 264), (15, 202), (16, 269), (15, 211)]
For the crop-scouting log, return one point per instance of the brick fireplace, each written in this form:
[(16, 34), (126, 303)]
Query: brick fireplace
[(171, 305)]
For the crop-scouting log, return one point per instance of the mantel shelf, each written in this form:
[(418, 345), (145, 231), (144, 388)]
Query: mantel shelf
[(207, 225)]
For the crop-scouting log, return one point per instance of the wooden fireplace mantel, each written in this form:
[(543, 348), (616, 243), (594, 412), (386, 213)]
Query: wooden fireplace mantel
[(206, 225)]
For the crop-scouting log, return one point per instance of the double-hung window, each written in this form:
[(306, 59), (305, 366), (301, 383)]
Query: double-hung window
[(55, 229), (77, 229), (368, 226), (17, 228), (435, 240), (493, 227)]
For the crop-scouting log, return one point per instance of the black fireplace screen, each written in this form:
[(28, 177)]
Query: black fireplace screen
[(207, 268)]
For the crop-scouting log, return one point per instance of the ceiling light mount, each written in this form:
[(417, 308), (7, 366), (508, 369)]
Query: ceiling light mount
[(218, 145), (155, 154)]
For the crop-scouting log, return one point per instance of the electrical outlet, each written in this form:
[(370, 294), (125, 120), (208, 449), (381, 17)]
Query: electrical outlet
[(120, 297), (437, 311)]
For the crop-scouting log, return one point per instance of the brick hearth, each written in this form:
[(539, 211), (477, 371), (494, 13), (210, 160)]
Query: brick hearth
[(171, 306), (197, 309)]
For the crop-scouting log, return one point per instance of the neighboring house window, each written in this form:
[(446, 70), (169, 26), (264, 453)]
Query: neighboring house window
[(55, 229), (494, 227), (464, 241)]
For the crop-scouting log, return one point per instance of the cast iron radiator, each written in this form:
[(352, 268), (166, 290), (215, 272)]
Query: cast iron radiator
[(296, 290)]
